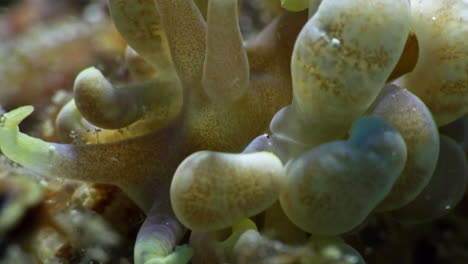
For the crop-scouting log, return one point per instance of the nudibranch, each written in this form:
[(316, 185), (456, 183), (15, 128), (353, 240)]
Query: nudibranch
[(342, 63), (344, 143), (197, 87)]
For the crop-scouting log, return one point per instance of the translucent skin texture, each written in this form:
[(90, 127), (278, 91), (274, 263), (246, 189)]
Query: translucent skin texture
[(445, 189), (340, 62), (440, 78), (199, 88), (200, 124), (333, 188), (415, 123), (177, 110), (211, 190), (326, 79)]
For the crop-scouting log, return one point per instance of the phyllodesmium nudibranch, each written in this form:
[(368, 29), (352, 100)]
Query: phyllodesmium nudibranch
[(184, 140)]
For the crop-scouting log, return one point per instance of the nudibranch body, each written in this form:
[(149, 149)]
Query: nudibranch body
[(182, 107), (172, 139)]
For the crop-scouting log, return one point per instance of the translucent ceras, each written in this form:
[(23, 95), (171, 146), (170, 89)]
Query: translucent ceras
[(414, 121), (212, 190), (440, 78), (340, 63), (337, 87), (198, 87), (341, 60), (334, 187)]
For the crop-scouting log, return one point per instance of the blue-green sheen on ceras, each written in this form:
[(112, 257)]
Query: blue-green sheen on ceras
[(335, 186)]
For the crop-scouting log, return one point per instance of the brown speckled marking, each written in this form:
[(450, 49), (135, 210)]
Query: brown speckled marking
[(414, 121), (143, 166)]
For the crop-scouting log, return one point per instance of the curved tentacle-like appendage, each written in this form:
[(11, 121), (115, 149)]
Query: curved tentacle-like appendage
[(158, 237), (440, 78), (212, 190), (46, 158), (95, 95), (415, 123), (108, 107), (136, 157), (342, 58), (31, 152), (333, 188), (160, 96), (226, 68), (139, 23), (186, 33), (71, 127), (40, 156)]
